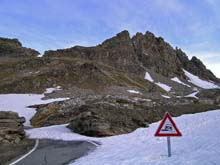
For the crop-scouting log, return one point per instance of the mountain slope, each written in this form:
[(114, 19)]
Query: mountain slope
[(120, 61)]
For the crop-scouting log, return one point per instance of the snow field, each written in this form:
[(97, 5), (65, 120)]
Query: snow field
[(199, 82), (199, 144), (19, 103)]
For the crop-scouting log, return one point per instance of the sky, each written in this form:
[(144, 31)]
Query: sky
[(192, 25)]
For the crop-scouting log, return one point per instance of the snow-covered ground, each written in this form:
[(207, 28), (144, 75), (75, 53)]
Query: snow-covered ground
[(176, 79), (199, 144), (19, 103), (198, 82)]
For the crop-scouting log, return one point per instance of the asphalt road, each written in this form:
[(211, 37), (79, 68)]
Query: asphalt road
[(56, 152)]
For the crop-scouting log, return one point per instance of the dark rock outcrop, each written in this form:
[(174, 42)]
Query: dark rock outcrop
[(134, 55), (154, 53), (11, 127), (12, 48)]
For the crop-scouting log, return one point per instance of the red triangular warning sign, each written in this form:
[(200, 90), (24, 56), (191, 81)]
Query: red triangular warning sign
[(167, 127)]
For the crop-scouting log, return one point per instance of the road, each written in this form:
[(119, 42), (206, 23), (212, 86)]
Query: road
[(56, 152)]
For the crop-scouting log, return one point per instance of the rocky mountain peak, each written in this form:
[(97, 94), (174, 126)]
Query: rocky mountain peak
[(122, 38), (13, 48), (120, 61), (10, 42)]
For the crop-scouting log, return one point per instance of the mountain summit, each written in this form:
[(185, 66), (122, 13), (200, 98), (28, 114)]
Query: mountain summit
[(121, 61)]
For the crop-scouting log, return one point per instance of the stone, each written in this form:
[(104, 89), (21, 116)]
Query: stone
[(11, 127), (17, 140), (91, 125)]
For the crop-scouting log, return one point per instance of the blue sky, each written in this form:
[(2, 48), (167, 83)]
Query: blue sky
[(193, 25)]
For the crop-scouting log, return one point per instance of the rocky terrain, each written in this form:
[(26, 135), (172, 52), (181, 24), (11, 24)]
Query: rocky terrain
[(12, 136), (11, 49), (11, 127), (115, 87)]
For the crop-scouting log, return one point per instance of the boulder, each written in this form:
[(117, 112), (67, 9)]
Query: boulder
[(90, 124)]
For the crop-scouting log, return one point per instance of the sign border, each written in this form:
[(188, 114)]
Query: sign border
[(167, 115)]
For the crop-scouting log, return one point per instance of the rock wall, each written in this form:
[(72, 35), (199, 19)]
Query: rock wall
[(11, 127)]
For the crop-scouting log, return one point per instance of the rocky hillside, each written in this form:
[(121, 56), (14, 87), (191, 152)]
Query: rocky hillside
[(136, 54), (119, 62), (115, 87)]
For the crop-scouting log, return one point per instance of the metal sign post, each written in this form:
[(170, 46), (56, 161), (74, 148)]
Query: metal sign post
[(167, 128), (169, 146)]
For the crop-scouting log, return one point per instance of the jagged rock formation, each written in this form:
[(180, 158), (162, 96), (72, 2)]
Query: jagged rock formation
[(136, 54), (11, 127), (13, 48), (120, 61)]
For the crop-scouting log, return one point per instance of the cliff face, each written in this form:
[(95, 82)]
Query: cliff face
[(154, 53), (117, 52)]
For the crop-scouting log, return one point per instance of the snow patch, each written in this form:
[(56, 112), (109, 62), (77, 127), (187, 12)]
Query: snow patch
[(148, 77), (176, 79), (167, 97), (133, 91), (37, 72), (50, 90), (198, 82), (40, 55), (193, 95), (19, 103), (164, 86), (141, 99)]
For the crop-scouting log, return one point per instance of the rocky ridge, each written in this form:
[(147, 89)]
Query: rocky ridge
[(12, 48)]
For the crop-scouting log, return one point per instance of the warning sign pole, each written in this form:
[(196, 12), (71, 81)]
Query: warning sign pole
[(169, 146), (168, 128)]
